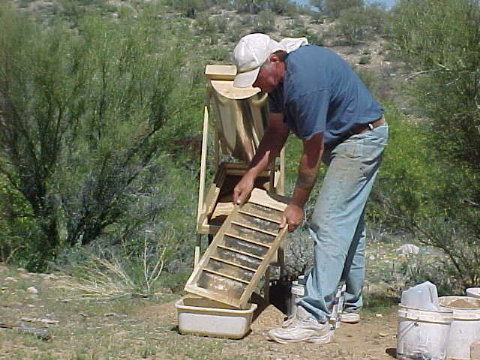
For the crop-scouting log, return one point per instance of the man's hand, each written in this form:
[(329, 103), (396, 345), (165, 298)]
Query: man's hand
[(292, 217), (243, 189)]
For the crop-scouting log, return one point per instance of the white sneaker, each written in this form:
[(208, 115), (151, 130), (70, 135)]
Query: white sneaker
[(349, 317), (301, 327)]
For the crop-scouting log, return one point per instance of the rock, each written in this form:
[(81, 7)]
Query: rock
[(112, 314), (48, 276), (44, 321), (32, 290), (10, 279), (475, 350), (408, 249)]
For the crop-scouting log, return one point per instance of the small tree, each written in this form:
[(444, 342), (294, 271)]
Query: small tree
[(264, 21), (360, 23), (440, 42), (250, 6), (333, 8), (84, 115)]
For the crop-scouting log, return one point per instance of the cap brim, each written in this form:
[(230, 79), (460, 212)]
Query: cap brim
[(246, 79)]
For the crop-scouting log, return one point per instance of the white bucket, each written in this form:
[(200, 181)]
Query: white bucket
[(422, 334), (473, 292), (465, 327)]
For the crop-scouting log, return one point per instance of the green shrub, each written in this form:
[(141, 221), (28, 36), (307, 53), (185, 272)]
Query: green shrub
[(264, 22), (222, 24), (188, 8), (206, 28), (280, 7), (364, 59), (361, 23), (419, 193), (439, 43), (334, 8), (87, 114)]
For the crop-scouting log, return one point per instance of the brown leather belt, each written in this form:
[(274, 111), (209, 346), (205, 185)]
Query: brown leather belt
[(360, 128)]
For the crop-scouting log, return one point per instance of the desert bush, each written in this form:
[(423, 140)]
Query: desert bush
[(222, 23), (361, 23), (189, 8), (249, 6), (206, 28), (282, 7), (353, 24), (364, 59), (411, 196), (439, 43), (15, 221), (383, 89), (315, 38), (75, 10), (264, 22), (85, 114), (334, 8), (296, 27), (279, 7)]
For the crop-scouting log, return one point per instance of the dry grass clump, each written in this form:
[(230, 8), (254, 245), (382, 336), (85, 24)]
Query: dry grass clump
[(107, 278)]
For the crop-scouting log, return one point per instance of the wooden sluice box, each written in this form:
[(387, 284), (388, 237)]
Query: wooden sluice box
[(241, 251), (246, 238)]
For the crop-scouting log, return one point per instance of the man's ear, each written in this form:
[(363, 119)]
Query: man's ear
[(274, 58)]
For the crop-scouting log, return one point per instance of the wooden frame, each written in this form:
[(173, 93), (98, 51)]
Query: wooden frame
[(241, 251), (230, 139), (221, 90)]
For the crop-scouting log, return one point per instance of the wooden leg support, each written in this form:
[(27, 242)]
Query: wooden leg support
[(198, 245), (266, 286)]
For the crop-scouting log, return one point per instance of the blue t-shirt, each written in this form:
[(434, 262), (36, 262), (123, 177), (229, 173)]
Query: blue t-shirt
[(320, 93)]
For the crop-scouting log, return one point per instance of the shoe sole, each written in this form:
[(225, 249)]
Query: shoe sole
[(325, 339), (349, 319)]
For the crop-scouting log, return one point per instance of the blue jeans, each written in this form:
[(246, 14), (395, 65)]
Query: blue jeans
[(337, 225)]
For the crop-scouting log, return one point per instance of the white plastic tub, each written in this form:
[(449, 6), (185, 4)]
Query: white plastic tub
[(465, 327), (213, 321), (422, 334)]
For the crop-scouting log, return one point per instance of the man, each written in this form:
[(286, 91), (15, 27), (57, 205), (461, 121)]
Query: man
[(317, 96)]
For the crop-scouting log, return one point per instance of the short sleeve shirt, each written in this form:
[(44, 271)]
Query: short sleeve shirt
[(320, 93)]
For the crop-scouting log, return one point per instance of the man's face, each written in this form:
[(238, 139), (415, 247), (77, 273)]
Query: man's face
[(267, 79)]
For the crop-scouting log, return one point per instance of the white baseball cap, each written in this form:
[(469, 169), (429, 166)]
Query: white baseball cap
[(249, 55)]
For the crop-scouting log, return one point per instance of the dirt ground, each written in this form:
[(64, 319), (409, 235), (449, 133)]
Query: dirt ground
[(146, 328), (372, 338)]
